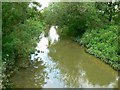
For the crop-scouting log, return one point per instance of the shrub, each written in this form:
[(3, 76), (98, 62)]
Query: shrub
[(103, 43)]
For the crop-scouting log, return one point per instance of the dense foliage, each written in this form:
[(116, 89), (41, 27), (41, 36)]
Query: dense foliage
[(75, 16), (108, 11), (95, 25), (103, 43), (21, 27)]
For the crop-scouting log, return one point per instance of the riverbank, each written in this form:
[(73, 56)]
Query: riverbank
[(66, 65), (102, 43), (17, 50)]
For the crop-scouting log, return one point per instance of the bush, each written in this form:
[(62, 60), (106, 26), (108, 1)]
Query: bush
[(103, 43), (18, 45), (21, 41)]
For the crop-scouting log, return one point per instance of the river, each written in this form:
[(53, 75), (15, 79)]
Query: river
[(64, 64)]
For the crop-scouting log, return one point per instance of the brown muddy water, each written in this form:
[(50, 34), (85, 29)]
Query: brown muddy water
[(64, 64)]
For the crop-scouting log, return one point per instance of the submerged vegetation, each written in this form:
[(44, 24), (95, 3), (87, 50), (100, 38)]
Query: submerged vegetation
[(94, 25)]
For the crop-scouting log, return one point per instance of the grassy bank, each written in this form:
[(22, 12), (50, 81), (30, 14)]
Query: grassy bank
[(103, 43)]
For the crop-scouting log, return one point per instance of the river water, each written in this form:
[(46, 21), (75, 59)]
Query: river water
[(64, 64)]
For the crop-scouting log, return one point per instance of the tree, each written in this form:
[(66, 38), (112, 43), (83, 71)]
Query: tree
[(21, 26), (110, 10), (12, 14), (76, 16)]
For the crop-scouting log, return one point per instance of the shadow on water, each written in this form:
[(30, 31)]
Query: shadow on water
[(64, 64), (32, 77)]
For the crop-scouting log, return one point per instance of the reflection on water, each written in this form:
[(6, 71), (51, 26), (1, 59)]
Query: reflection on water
[(53, 36), (64, 64), (79, 69), (32, 77), (43, 43)]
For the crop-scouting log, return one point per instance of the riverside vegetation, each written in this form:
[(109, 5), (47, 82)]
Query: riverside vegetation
[(94, 25)]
